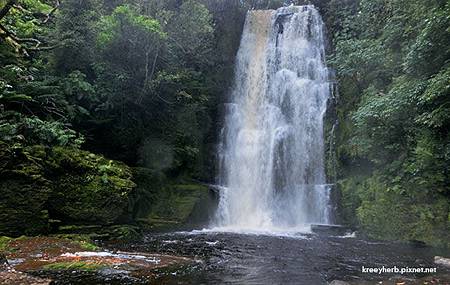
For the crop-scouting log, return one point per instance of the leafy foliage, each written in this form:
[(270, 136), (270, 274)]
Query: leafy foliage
[(137, 81), (32, 130), (392, 59)]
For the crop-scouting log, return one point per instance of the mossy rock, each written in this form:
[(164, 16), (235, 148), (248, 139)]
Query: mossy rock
[(150, 188), (122, 232), (88, 188), (74, 266), (72, 186), (180, 206), (24, 190)]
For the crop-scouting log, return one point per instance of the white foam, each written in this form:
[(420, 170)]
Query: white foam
[(297, 232)]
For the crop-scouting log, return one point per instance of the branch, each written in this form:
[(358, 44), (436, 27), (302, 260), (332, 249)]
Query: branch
[(10, 38), (7, 7), (43, 48), (15, 38), (20, 8), (51, 12), (28, 40), (16, 42)]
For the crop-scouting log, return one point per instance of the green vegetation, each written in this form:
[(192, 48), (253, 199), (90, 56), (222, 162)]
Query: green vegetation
[(392, 62), (108, 111), (161, 204), (177, 207), (74, 265), (62, 183), (25, 191), (84, 241), (25, 245), (91, 88), (90, 188), (4, 243)]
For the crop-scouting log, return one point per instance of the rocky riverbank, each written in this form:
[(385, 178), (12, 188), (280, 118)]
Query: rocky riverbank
[(36, 260)]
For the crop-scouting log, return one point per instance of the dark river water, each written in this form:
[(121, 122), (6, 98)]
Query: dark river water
[(231, 258)]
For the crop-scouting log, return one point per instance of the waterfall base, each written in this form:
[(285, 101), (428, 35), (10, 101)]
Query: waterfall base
[(331, 230)]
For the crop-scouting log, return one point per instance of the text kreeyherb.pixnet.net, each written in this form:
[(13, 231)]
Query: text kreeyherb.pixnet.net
[(397, 270)]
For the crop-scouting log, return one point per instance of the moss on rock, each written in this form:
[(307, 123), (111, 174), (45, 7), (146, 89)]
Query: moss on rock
[(158, 203), (178, 206), (24, 190), (61, 183), (74, 265), (80, 192), (88, 188)]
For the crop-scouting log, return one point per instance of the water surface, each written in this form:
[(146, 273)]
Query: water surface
[(236, 258)]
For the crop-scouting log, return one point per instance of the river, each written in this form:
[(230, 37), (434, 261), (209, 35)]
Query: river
[(250, 258)]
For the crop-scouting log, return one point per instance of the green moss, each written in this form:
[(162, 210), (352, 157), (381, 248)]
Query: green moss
[(169, 206), (88, 246), (76, 265), (83, 235), (88, 188), (4, 243), (24, 189), (124, 232), (83, 240), (179, 203), (61, 183)]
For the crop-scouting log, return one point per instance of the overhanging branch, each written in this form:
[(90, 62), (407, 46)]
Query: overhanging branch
[(52, 12), (18, 43)]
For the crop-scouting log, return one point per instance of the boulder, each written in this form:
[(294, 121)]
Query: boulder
[(87, 188), (63, 184)]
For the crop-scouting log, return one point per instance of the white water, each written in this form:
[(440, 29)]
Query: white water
[(271, 155)]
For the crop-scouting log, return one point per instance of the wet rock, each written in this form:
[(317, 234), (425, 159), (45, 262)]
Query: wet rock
[(12, 277), (55, 256), (442, 261), (339, 282), (329, 229), (3, 260), (3, 263), (177, 206)]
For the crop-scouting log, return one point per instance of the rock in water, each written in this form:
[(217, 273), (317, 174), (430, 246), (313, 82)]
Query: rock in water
[(442, 261), (338, 282)]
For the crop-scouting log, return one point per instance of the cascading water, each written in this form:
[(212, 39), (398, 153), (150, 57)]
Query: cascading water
[(272, 154)]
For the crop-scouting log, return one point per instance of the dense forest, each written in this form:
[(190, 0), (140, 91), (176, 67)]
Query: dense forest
[(392, 135), (110, 112)]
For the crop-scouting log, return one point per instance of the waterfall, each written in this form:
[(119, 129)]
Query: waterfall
[(271, 155)]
